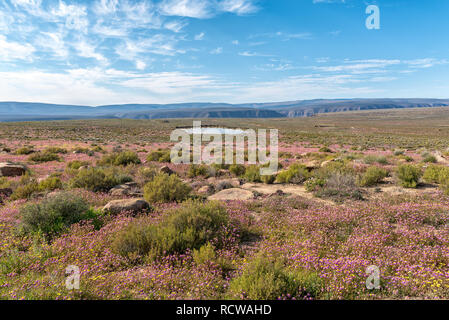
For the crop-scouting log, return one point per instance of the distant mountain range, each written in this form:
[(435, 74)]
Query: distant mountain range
[(26, 111)]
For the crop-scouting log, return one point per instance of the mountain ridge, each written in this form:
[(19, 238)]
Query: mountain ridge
[(34, 111)]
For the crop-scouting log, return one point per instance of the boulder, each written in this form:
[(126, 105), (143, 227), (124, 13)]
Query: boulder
[(205, 190), (8, 169), (311, 165), (126, 189), (166, 169), (5, 192), (232, 194), (126, 205), (325, 163)]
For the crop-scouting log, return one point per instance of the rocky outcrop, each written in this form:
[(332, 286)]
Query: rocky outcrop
[(127, 205), (8, 169), (232, 194)]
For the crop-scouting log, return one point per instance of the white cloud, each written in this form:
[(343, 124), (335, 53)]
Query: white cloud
[(203, 9), (87, 50), (200, 9), (75, 16), (105, 7), (239, 7), (140, 65), (175, 26), (199, 36), (218, 50), (54, 42), (10, 51)]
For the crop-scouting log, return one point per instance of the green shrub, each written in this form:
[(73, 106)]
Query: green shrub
[(25, 191), (204, 254), (98, 179), (159, 156), (53, 215), (188, 227), (76, 164), (332, 168), (50, 184), (237, 169), (325, 149), (166, 188), (296, 173), (372, 176), (314, 184), (252, 174), (340, 187), (198, 170), (429, 159), (373, 159), (264, 279), (123, 158), (24, 151), (408, 175), (56, 150), (147, 174), (44, 157), (268, 179), (432, 174)]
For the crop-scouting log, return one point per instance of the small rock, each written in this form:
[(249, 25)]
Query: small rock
[(166, 169), (205, 190), (312, 165), (5, 192), (8, 169), (232, 194), (126, 205), (325, 163)]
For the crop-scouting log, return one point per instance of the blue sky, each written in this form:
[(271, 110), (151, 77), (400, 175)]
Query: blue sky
[(166, 51)]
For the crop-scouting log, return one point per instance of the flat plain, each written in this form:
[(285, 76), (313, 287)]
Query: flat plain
[(355, 189)]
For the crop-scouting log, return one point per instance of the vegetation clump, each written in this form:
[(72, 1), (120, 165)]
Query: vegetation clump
[(54, 215), (166, 188), (408, 175), (188, 227), (123, 158)]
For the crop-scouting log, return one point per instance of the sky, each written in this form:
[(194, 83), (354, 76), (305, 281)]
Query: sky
[(101, 52)]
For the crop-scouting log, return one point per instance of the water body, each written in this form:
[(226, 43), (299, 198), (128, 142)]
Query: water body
[(215, 131)]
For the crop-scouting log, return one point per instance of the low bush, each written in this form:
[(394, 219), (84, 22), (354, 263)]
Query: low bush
[(371, 159), (99, 179), (296, 173), (198, 170), (372, 176), (408, 175), (159, 155), (56, 150), (252, 174), (188, 227), (24, 151), (123, 158), (325, 149), (429, 159), (53, 215), (166, 188), (268, 179), (44, 157), (237, 170), (340, 187), (265, 279), (76, 164), (314, 184)]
